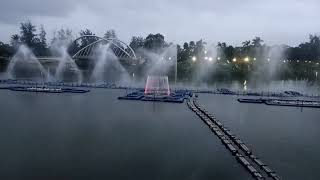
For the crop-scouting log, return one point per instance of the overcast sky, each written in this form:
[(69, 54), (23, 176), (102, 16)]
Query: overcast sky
[(233, 21)]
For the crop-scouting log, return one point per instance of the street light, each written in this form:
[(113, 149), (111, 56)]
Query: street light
[(210, 58), (234, 59), (246, 59), (268, 59), (254, 59), (206, 58), (194, 59), (219, 58)]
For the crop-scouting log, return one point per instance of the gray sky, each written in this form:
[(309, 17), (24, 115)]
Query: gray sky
[(233, 21)]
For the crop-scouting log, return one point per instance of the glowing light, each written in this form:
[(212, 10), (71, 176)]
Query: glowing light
[(246, 59), (205, 52), (298, 61), (219, 58), (316, 74), (284, 61), (210, 58), (309, 61), (132, 74), (234, 59), (194, 59), (254, 59), (268, 59), (206, 58), (169, 58), (317, 63)]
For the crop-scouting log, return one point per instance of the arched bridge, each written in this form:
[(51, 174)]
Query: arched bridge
[(88, 44)]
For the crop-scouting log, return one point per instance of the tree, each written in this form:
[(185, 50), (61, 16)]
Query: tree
[(63, 37), (257, 42), (192, 46), (42, 46), (28, 35), (15, 41), (110, 34), (6, 50), (137, 42), (154, 42), (246, 47), (87, 40)]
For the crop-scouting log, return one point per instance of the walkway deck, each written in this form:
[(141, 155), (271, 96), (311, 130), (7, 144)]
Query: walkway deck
[(239, 150)]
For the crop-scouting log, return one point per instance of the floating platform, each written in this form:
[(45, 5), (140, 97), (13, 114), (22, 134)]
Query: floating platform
[(294, 103), (243, 100), (175, 97), (47, 89), (282, 102)]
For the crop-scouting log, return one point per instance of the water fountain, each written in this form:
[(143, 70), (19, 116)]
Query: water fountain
[(163, 63), (24, 65), (67, 69), (107, 66), (157, 86)]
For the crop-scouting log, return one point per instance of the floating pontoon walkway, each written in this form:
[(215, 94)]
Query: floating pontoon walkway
[(238, 148)]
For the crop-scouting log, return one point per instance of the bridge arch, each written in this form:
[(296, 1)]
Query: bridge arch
[(120, 48)]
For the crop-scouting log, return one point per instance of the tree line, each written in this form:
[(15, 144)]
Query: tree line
[(35, 38)]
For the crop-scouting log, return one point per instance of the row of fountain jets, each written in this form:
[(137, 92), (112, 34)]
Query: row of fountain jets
[(25, 59)]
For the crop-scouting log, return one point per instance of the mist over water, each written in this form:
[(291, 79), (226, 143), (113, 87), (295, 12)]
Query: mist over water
[(107, 66), (67, 69), (205, 69), (269, 64), (24, 64), (160, 63)]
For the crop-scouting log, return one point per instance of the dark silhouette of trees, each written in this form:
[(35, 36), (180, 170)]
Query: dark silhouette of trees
[(154, 42), (86, 40), (110, 34), (137, 42), (28, 34), (15, 41), (6, 50), (42, 47)]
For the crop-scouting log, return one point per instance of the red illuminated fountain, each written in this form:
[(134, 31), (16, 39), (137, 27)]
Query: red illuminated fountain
[(157, 86)]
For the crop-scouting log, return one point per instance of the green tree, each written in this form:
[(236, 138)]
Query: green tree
[(137, 42), (6, 50), (155, 42), (28, 34), (15, 41), (42, 46), (87, 40), (257, 42), (110, 34)]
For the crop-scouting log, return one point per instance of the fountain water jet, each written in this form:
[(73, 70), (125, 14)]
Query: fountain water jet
[(107, 66), (67, 67), (24, 64), (157, 86)]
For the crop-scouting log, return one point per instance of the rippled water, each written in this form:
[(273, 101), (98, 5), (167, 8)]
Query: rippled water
[(96, 136), (286, 138)]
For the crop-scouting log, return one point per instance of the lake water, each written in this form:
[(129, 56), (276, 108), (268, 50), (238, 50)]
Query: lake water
[(96, 136)]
